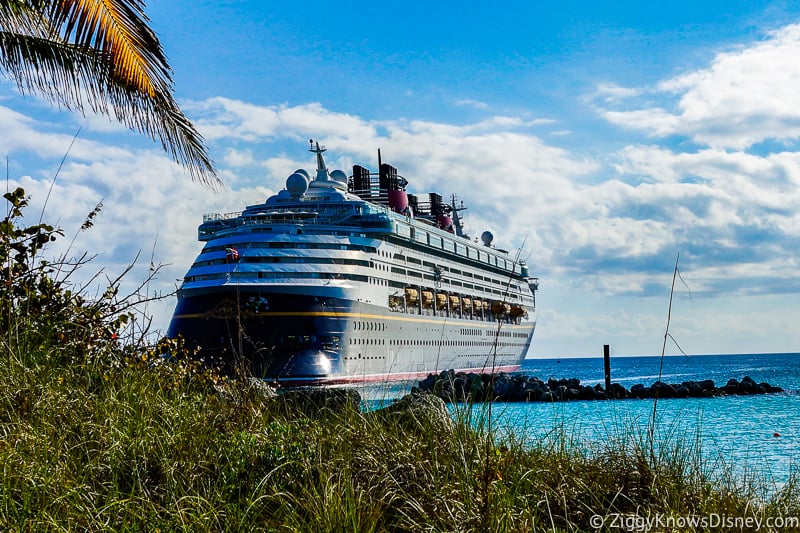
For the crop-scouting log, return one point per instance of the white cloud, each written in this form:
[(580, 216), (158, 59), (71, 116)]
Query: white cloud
[(744, 97), (602, 228), (472, 103), (238, 158), (611, 92)]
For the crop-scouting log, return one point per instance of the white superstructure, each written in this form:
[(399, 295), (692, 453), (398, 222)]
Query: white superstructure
[(349, 278)]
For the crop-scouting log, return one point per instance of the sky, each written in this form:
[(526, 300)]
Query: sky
[(604, 141)]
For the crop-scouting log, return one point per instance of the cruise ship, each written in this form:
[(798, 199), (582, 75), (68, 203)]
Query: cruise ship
[(344, 278)]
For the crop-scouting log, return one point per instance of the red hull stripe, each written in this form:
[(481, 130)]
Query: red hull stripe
[(376, 378)]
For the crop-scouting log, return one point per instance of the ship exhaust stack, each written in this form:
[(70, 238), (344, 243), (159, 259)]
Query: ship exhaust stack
[(361, 185), (394, 187)]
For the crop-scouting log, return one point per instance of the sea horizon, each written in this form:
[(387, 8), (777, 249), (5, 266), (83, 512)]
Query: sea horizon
[(710, 354)]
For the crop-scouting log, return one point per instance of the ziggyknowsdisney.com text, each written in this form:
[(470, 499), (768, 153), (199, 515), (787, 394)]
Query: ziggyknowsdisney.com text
[(659, 522)]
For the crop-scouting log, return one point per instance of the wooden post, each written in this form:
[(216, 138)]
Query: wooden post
[(607, 366)]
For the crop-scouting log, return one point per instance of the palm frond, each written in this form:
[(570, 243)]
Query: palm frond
[(119, 29), (101, 54)]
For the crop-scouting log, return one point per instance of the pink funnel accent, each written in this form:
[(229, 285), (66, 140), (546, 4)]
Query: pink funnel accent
[(445, 222), (398, 201)]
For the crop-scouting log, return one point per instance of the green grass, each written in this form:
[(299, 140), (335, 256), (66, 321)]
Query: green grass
[(102, 435), (130, 447)]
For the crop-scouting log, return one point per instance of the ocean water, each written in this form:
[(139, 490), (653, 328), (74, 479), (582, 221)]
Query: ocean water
[(754, 438)]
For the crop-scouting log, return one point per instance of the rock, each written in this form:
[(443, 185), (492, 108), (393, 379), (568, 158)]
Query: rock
[(694, 388), (617, 391), (561, 392), (732, 387), (586, 393), (476, 387), (502, 386), (548, 396), (747, 385), (573, 394), (428, 383), (663, 390), (515, 388), (458, 386), (708, 384), (421, 410)]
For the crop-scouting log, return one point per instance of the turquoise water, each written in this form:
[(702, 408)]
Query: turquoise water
[(753, 437)]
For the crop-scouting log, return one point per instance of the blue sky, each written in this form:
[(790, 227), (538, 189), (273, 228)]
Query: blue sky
[(606, 137)]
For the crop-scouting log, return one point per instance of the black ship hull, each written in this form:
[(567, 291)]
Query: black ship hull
[(284, 337)]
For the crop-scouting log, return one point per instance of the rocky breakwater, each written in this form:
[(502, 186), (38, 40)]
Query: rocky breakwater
[(459, 387)]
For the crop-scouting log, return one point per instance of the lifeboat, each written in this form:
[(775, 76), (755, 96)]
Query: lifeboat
[(441, 300), (395, 302), (455, 301), (478, 305), (427, 298), (412, 296), (467, 303), (500, 308), (518, 310)]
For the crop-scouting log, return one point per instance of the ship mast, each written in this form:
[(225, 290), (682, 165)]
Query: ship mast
[(322, 170), (459, 226)]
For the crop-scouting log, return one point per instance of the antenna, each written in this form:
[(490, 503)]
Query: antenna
[(315, 148)]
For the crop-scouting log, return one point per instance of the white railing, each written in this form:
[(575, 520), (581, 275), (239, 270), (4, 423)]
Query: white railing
[(210, 217)]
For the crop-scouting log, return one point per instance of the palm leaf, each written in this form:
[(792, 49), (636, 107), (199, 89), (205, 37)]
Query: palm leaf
[(119, 29), (100, 54)]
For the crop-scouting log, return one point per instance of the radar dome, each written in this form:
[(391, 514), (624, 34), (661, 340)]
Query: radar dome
[(297, 184), (339, 175), (487, 237), (303, 172)]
